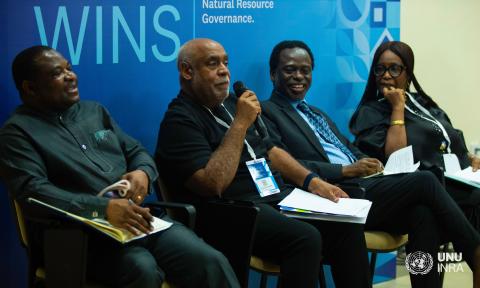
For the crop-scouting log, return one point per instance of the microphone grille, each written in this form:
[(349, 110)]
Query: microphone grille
[(239, 88)]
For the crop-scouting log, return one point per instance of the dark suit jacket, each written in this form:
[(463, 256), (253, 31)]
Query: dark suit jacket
[(293, 134)]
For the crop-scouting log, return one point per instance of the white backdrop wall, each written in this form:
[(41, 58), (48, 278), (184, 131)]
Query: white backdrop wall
[(445, 37)]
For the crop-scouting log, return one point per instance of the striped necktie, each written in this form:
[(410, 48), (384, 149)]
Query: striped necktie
[(321, 125)]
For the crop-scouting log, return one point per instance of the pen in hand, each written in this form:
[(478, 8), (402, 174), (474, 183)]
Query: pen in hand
[(144, 217), (124, 213)]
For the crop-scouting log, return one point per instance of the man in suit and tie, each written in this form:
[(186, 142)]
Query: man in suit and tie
[(413, 203)]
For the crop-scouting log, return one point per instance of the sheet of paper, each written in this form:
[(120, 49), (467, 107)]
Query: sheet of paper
[(157, 226), (452, 165), (361, 219), (469, 174), (105, 227), (300, 199), (401, 161)]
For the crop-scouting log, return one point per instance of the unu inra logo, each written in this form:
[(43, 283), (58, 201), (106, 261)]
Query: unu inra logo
[(419, 262)]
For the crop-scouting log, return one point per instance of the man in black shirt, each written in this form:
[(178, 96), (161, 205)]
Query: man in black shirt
[(63, 152), (204, 143)]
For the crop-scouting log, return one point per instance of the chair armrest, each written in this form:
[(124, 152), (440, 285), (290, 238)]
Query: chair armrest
[(181, 212), (354, 190)]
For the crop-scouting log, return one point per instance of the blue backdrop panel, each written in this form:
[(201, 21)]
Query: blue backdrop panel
[(124, 54)]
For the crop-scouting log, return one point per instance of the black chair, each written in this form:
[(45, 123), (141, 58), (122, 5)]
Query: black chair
[(229, 226), (65, 265)]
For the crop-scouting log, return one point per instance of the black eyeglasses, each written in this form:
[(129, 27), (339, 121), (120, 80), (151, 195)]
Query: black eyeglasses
[(394, 70)]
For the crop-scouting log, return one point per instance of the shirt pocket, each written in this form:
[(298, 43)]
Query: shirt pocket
[(108, 153)]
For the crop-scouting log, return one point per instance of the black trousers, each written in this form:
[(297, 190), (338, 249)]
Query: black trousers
[(177, 252), (417, 204), (468, 198), (300, 246)]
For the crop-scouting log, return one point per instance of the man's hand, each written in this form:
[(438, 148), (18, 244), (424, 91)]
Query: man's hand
[(326, 190), (139, 185), (395, 96), (125, 214), (248, 108), (362, 168)]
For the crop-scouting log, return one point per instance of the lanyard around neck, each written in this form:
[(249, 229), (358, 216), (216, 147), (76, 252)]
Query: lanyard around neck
[(224, 124), (429, 117)]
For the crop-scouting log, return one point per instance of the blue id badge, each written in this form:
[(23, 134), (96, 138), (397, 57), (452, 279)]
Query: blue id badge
[(262, 176)]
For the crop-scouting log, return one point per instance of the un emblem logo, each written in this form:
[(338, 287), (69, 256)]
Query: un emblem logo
[(419, 262)]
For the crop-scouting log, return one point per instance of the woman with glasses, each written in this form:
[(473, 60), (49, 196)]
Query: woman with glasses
[(390, 117)]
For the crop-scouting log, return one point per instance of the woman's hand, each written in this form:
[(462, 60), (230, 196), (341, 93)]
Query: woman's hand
[(475, 162), (395, 96)]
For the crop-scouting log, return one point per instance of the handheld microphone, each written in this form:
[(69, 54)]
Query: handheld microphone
[(239, 89)]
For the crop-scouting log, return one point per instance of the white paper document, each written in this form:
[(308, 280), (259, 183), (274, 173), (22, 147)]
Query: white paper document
[(105, 227), (468, 173), (401, 161), (452, 165), (466, 176), (302, 204), (453, 171)]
